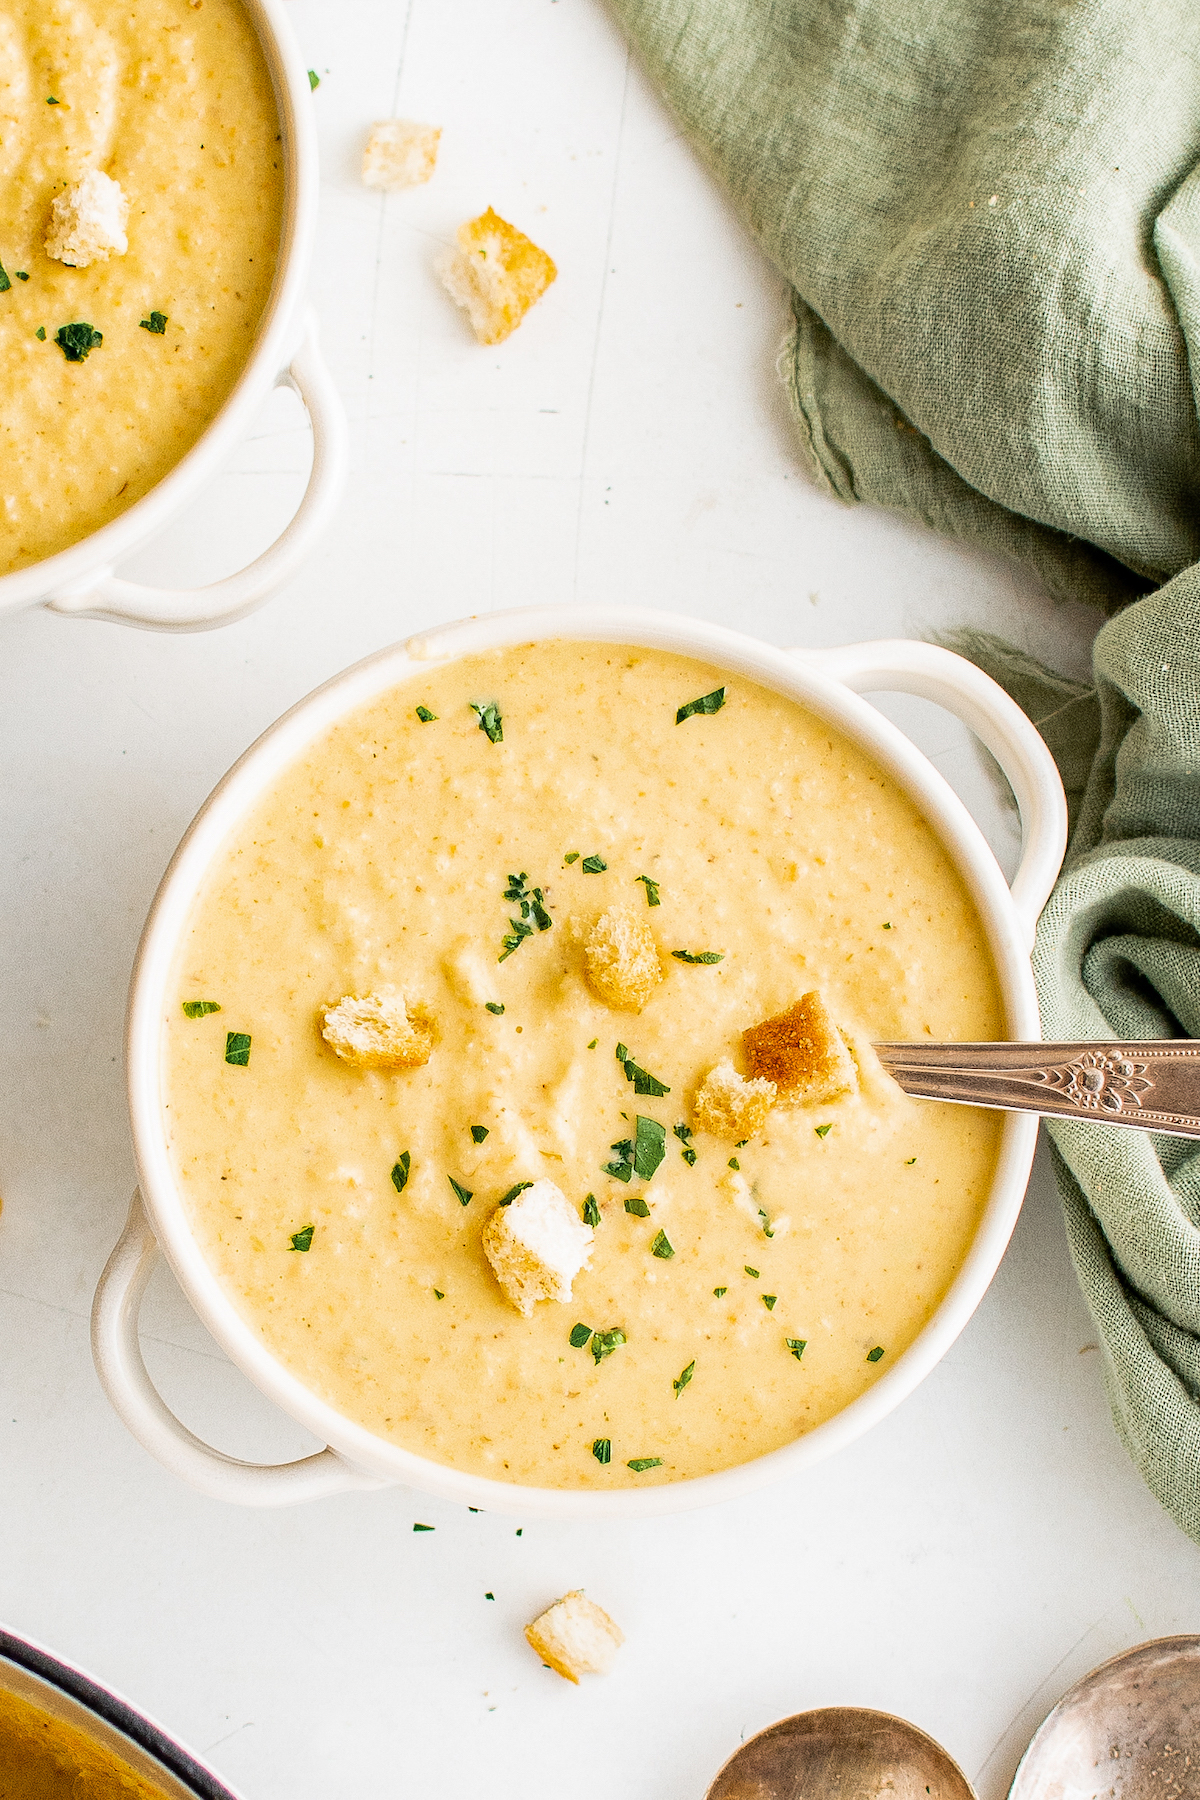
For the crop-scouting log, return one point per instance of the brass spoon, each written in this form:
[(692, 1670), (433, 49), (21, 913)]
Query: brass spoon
[(841, 1753), (1152, 1086)]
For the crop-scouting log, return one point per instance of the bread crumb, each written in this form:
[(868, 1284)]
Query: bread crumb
[(731, 1107), (536, 1245), (87, 222), (576, 1637), (622, 960), (495, 275), (400, 153), (803, 1053), (378, 1031)]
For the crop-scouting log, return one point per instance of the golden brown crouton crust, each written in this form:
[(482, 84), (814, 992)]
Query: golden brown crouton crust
[(730, 1107), (621, 956), (495, 274), (378, 1032), (802, 1052), (575, 1637)]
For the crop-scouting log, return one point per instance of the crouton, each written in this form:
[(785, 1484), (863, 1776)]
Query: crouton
[(495, 275), (536, 1244), (576, 1637), (378, 1031), (87, 222), (400, 153), (803, 1053), (621, 957), (731, 1107)]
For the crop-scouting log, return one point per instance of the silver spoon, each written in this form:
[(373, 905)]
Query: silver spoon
[(1152, 1086), (841, 1753)]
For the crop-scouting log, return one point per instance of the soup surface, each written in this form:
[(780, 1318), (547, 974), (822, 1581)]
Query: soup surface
[(381, 858), (174, 101), (43, 1758)]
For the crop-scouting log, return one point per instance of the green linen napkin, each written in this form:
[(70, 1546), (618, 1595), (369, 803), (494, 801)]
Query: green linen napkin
[(989, 215)]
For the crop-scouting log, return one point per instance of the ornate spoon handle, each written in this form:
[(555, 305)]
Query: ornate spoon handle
[(1152, 1087)]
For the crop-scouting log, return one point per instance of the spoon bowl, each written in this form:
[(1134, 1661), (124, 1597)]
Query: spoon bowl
[(843, 1753)]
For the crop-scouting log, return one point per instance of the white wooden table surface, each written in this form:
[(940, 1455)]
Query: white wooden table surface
[(962, 1564)]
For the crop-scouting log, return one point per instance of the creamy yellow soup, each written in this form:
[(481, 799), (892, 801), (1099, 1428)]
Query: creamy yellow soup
[(43, 1758), (804, 1262), (171, 99)]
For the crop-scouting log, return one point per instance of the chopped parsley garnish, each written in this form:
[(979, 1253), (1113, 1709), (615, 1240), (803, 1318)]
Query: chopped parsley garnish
[(662, 1246), (822, 1130), (593, 865), (424, 1527), (593, 1043), (464, 1195), (237, 1048), (875, 1354), (302, 1239), (684, 1377), (649, 1148), (400, 1172), (605, 1342), (40, 333), (314, 81), (683, 1133), (734, 1163), (769, 1300), (518, 1187), (887, 925), (51, 101), (652, 898), (591, 1211), (602, 1449), (707, 703), (909, 1161), (20, 274), (532, 902), (479, 1132), (640, 1464), (571, 856), (637, 1207), (156, 323), (490, 721), (643, 1082), (753, 1273), (438, 1294), (796, 1346), (768, 1228), (621, 1168), (196, 1009), (579, 1336), (5, 283), (426, 717), (489, 1596), (700, 956), (77, 341), (495, 1006), (719, 1293)]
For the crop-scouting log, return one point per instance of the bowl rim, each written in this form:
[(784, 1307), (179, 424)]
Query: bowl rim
[(274, 340), (276, 749)]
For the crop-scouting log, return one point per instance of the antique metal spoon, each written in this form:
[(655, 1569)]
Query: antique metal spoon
[(1153, 1086), (841, 1753)]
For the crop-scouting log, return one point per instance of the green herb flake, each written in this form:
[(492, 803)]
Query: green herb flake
[(424, 1527), (637, 1207), (400, 1172), (605, 1342), (640, 1464), (700, 956), (489, 1596), (490, 721), (495, 1006), (40, 333), (682, 1132), (650, 1146), (734, 1163), (77, 341), (643, 1081), (707, 703), (302, 1239), (769, 1300), (591, 1211), (464, 1195), (196, 1009), (572, 856), (156, 323), (662, 1246), (314, 81), (797, 1346), (909, 1161), (593, 865), (593, 1043), (621, 1168), (684, 1377), (51, 101), (532, 902), (579, 1336), (768, 1228), (21, 274), (438, 1294), (720, 1293), (426, 717), (518, 1187), (875, 1354), (479, 1132), (5, 283), (652, 898), (822, 1130), (753, 1273), (887, 925), (237, 1048), (602, 1449)]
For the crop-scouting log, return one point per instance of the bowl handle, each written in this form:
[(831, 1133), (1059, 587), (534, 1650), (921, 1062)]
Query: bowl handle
[(908, 666), (103, 595), (118, 1358)]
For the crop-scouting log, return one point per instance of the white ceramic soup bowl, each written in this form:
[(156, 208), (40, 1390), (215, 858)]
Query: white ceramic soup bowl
[(826, 682), (81, 579)]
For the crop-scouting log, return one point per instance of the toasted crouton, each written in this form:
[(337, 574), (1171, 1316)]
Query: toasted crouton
[(576, 1637), (731, 1107), (400, 153), (536, 1244), (495, 274), (622, 959), (803, 1053), (87, 222), (378, 1031)]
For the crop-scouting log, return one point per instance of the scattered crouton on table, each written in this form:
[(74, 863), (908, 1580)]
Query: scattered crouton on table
[(803, 1053), (378, 1031), (87, 221), (536, 1244), (622, 960), (575, 1637), (400, 153), (495, 274), (731, 1107)]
